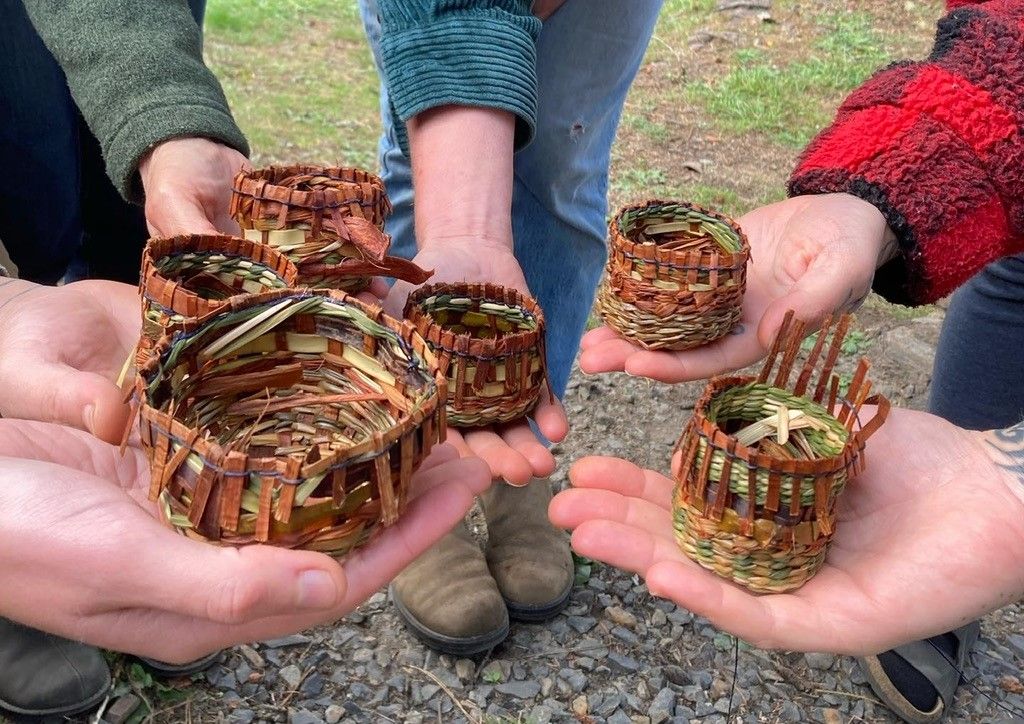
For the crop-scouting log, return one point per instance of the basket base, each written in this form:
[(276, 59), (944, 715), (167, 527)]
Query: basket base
[(741, 559), (477, 416), (674, 333)]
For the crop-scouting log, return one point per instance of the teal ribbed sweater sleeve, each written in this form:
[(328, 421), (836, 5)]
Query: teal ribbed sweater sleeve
[(135, 69), (460, 52)]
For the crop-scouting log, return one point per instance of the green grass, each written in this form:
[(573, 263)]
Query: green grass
[(299, 76), (790, 102)]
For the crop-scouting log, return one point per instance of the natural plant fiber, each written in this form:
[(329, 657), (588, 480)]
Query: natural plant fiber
[(189, 276), (490, 345), (328, 220), (675, 277), (763, 463), (294, 418)]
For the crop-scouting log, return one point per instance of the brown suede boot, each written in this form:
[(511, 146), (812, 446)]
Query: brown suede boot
[(528, 557), (448, 599)]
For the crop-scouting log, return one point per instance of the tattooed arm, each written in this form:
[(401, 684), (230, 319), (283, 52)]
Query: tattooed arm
[(1006, 448)]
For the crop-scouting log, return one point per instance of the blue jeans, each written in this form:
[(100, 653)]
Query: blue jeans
[(587, 56), (60, 216), (978, 380)]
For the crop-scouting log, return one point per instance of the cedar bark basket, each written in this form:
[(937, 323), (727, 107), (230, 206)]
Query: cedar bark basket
[(675, 277), (489, 341), (294, 418), (186, 277), (756, 513), (328, 220)]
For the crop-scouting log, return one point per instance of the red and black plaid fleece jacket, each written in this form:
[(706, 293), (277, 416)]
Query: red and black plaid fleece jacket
[(938, 147)]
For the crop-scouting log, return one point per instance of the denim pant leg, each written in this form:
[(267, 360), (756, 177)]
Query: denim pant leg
[(60, 216), (979, 367), (587, 56)]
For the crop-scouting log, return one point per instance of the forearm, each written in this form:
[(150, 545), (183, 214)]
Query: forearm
[(1005, 448), (934, 145), (136, 71), (462, 173)]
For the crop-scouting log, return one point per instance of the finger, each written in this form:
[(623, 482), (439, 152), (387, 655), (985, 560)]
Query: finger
[(598, 335), (54, 392), (737, 350), (457, 440), (622, 546), (439, 454), (607, 355), (70, 448), (572, 508), (504, 461), (172, 211), (551, 419), (523, 440), (379, 288), (622, 477)]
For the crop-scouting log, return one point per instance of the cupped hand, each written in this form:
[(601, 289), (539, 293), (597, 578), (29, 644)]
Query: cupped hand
[(61, 350), (812, 254), (512, 451), (929, 537), (82, 555), (187, 182)]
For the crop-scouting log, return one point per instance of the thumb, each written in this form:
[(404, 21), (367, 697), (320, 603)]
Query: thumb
[(170, 212), (55, 392)]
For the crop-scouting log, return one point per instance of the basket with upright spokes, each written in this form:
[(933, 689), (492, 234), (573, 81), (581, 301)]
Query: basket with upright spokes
[(294, 418), (764, 460), (675, 277), (489, 341), (328, 220)]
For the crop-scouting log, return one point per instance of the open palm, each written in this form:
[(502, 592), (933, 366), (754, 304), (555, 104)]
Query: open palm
[(811, 254), (931, 520), (61, 349)]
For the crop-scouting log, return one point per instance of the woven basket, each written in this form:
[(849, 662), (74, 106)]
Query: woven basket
[(490, 345), (675, 277), (763, 464), (189, 276), (328, 220), (294, 418)]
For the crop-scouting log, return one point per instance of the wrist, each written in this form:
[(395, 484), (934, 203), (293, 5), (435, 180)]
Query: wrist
[(1005, 449), (884, 243)]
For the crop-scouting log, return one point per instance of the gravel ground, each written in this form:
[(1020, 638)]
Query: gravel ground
[(616, 655)]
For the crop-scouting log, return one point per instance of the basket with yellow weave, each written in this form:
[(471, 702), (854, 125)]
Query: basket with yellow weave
[(763, 462), (328, 220), (294, 418), (675, 277), (189, 276), (489, 341)]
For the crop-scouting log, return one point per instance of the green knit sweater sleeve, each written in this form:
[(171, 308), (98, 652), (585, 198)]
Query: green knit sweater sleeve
[(135, 69), (460, 52)]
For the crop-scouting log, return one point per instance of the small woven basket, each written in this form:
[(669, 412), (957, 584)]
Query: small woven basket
[(189, 276), (490, 345), (294, 418), (763, 463), (675, 277), (328, 220)]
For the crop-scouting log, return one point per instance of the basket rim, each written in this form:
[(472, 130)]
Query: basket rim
[(263, 184), (172, 295), (466, 345), (717, 438), (685, 259), (213, 452)]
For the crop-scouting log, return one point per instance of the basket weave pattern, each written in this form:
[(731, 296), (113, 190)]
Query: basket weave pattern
[(294, 418), (328, 220), (490, 344), (763, 515), (670, 282), (189, 276)]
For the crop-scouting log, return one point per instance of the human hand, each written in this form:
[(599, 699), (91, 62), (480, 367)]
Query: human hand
[(931, 519), (187, 182), (812, 254), (512, 451), (82, 555), (61, 350), (544, 9)]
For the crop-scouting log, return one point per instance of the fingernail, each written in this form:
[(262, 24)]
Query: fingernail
[(317, 590), (87, 417)]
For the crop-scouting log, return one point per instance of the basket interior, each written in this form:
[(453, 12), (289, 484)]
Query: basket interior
[(216, 276), (303, 377), (479, 318), (677, 227), (312, 178)]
